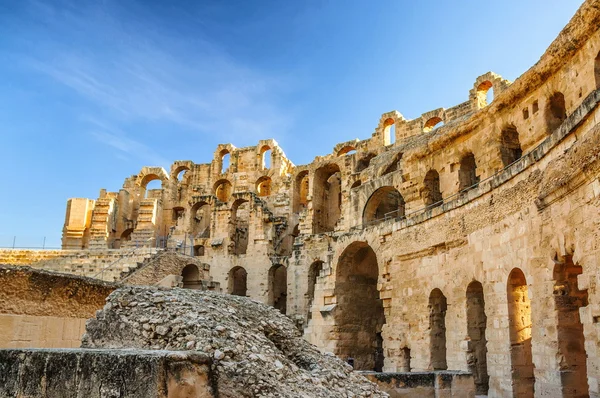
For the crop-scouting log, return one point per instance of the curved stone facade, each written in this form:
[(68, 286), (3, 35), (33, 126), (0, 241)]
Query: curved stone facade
[(483, 231)]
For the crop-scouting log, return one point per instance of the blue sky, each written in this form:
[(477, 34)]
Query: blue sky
[(91, 91)]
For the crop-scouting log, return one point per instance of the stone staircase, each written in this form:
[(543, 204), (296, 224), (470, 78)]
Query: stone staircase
[(100, 219)]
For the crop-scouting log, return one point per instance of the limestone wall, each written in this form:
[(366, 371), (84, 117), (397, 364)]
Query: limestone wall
[(44, 309)]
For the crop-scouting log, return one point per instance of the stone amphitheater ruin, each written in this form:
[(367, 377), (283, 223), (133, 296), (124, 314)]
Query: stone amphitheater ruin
[(467, 239)]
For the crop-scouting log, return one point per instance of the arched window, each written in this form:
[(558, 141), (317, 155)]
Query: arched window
[(278, 287), (263, 186), (556, 111), (327, 203), (223, 190), (519, 324), (432, 123), (347, 150), (301, 191), (510, 147), (151, 185), (238, 281), (385, 203), (192, 277), (265, 157), (467, 173), (431, 194), (476, 326), (179, 173), (485, 94), (389, 132), (225, 161), (240, 224), (437, 330)]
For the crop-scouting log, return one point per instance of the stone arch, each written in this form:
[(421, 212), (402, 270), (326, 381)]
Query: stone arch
[(301, 186), (556, 111), (148, 174), (240, 225), (385, 203), (192, 277), (327, 198), (224, 161), (125, 237), (313, 273), (200, 220), (431, 124), (467, 172), (519, 323), (266, 157), (176, 170), (478, 96), (278, 287), (238, 281), (438, 305), (359, 316), (389, 131), (347, 150), (510, 146), (263, 186), (568, 299), (223, 190), (431, 194), (364, 162), (476, 327)]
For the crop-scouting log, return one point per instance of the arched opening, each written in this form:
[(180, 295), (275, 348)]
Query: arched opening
[(432, 123), (364, 162), (389, 132), (238, 281), (359, 316), (125, 237), (485, 94), (467, 173), (179, 173), (192, 277), (263, 186), (384, 204), (556, 111), (347, 150), (394, 165), (597, 70), (178, 214), (225, 161), (327, 198), (476, 325), (223, 190), (568, 299), (200, 220), (519, 324), (313, 273), (510, 147), (355, 184), (240, 222), (437, 330), (265, 157), (198, 250), (152, 186), (431, 194), (301, 191), (278, 287), (404, 363)]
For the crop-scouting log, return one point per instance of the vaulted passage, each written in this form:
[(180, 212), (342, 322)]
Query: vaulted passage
[(240, 219), (327, 198), (556, 111), (313, 274), (192, 277), (278, 287), (476, 324), (431, 194), (359, 315), (437, 330), (384, 203), (519, 323), (571, 342), (301, 191), (238, 281), (467, 174)]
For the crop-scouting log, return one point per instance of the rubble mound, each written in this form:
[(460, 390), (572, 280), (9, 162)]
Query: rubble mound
[(256, 351)]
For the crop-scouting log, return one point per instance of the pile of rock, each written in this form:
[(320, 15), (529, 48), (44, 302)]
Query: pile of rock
[(256, 351)]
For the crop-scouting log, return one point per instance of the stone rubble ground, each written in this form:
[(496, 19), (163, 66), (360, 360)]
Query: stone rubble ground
[(256, 351)]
